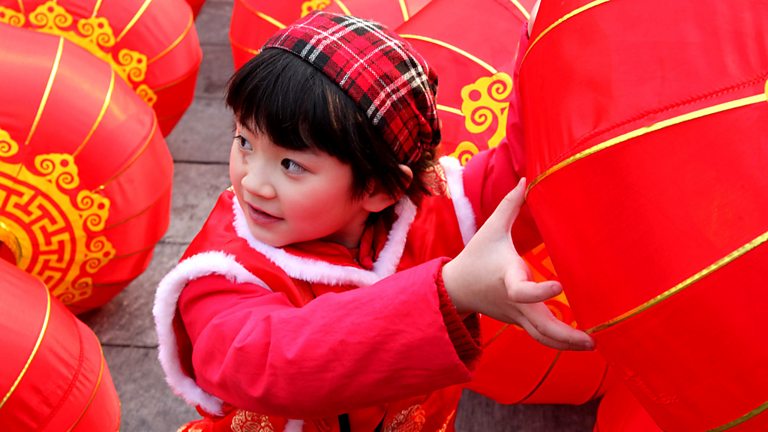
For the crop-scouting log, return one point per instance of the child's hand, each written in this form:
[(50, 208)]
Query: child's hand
[(489, 277)]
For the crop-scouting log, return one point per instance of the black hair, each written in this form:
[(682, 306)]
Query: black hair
[(298, 107)]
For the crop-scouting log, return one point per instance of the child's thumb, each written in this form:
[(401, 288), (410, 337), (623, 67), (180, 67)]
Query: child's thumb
[(509, 207)]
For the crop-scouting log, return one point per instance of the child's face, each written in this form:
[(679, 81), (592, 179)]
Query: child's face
[(291, 196)]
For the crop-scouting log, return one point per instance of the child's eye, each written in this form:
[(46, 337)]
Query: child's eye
[(243, 143), (291, 166)]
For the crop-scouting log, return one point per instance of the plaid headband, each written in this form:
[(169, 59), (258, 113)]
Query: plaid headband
[(382, 73)]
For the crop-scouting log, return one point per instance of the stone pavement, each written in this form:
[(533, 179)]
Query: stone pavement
[(200, 147)]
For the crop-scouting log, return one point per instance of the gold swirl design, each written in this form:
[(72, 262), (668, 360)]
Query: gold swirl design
[(485, 102), (8, 147), (312, 5), (465, 151), (133, 64), (50, 17), (97, 31), (146, 94), (95, 34), (11, 17), (58, 169), (246, 421), (54, 227)]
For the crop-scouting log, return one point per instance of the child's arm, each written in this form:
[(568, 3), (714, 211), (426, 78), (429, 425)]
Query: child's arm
[(257, 351), (489, 277)]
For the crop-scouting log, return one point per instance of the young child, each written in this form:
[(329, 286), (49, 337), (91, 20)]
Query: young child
[(320, 295)]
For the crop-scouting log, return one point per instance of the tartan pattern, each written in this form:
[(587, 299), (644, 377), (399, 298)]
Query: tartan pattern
[(381, 72)]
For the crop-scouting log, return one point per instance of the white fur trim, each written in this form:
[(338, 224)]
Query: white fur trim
[(461, 205), (294, 426), (166, 299), (312, 270)]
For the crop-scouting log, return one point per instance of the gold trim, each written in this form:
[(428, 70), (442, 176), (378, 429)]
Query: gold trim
[(47, 92), (404, 10), (522, 10), (561, 20), (451, 110), (253, 51), (135, 157), (136, 215), (95, 388), (97, 6), (725, 106), (133, 21), (173, 83), (742, 419), (455, 49), (100, 117), (32, 355), (177, 41), (343, 7), (717, 265), (262, 15), (21, 6)]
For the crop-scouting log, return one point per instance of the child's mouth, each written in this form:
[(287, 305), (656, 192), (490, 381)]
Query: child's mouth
[(261, 217)]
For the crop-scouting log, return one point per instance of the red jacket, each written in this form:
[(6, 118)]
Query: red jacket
[(308, 332)]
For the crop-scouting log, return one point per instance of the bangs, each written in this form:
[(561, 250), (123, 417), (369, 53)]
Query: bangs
[(280, 95)]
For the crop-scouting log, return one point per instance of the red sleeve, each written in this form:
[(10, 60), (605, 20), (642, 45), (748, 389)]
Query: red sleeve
[(255, 350), (491, 174)]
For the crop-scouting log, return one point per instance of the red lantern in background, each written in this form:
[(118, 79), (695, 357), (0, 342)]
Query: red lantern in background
[(472, 46), (195, 5), (151, 45), (390, 13), (85, 175), (53, 376), (645, 134), (515, 368), (254, 21)]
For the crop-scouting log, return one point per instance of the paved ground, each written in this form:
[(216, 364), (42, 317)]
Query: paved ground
[(199, 145)]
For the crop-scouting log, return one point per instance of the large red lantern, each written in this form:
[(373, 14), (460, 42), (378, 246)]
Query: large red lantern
[(53, 376), (390, 13), (515, 368), (472, 46), (619, 411), (151, 45), (85, 174), (645, 134)]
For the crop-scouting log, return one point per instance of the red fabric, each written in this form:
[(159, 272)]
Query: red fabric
[(102, 173), (258, 351), (640, 229)]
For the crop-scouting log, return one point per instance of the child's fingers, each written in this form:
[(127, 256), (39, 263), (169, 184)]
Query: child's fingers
[(532, 292), (552, 332), (509, 207)]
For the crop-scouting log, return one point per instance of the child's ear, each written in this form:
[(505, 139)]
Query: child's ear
[(377, 199)]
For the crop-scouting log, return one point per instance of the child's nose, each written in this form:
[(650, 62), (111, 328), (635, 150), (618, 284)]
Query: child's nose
[(256, 182)]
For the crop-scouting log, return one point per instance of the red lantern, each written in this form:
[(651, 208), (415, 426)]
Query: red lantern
[(515, 368), (472, 46), (195, 5), (152, 45), (85, 175), (53, 375), (646, 152), (391, 13), (254, 21), (619, 411)]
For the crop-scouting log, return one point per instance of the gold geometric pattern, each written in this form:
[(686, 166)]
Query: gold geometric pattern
[(408, 420), (94, 34), (484, 103), (246, 421), (313, 5), (51, 226)]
